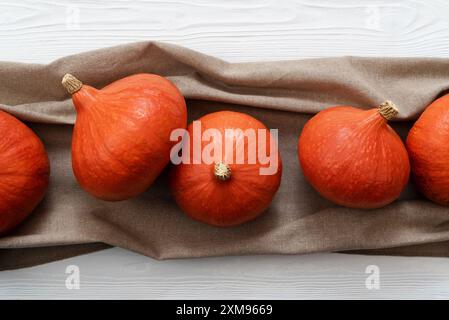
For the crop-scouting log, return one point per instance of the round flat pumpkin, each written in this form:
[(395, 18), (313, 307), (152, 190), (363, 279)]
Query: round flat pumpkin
[(227, 192), (353, 158), (24, 171), (428, 148), (121, 139)]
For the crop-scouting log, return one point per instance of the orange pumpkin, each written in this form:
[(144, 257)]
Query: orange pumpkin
[(428, 147), (121, 139), (353, 157), (227, 192), (24, 171)]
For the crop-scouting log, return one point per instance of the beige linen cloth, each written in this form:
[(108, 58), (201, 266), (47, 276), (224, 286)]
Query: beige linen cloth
[(281, 94)]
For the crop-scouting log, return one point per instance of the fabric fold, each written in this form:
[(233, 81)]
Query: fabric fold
[(283, 95)]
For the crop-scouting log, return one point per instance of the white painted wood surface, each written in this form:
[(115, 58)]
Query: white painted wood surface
[(44, 30), (116, 274)]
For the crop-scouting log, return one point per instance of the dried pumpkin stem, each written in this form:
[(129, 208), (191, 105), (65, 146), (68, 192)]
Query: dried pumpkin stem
[(222, 171), (71, 83), (388, 110)]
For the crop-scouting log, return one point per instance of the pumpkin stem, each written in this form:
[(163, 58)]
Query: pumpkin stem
[(388, 110), (71, 83), (222, 171)]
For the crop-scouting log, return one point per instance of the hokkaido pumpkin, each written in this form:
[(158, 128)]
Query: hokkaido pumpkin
[(353, 157), (428, 147), (24, 171), (121, 139), (224, 191)]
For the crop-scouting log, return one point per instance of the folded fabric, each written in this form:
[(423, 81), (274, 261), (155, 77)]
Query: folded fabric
[(283, 95)]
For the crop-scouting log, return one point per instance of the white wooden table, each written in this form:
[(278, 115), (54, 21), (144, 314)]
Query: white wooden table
[(41, 31)]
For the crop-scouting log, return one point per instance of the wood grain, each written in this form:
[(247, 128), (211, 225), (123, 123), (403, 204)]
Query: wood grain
[(120, 274), (43, 30)]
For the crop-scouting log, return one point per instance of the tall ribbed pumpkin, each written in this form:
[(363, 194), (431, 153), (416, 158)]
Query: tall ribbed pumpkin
[(353, 157), (428, 147), (24, 171), (227, 193), (121, 139)]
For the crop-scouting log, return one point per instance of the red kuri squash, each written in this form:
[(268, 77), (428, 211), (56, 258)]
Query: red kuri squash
[(121, 139), (428, 147), (353, 157), (224, 191), (24, 171)]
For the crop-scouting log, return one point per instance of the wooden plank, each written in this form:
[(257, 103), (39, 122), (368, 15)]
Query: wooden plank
[(120, 274), (43, 30)]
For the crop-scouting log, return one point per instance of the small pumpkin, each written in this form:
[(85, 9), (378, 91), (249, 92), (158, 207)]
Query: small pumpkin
[(121, 138), (24, 171), (226, 192), (428, 147), (353, 158)]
